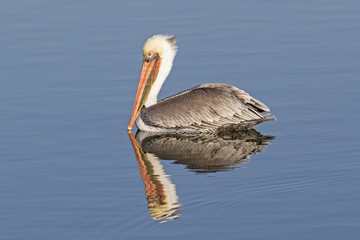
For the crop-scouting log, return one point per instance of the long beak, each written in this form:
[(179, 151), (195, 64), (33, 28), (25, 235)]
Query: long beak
[(149, 72)]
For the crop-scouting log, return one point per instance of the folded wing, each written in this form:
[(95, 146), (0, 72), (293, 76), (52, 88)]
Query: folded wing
[(206, 107)]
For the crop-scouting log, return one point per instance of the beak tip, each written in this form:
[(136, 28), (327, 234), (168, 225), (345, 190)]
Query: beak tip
[(129, 129)]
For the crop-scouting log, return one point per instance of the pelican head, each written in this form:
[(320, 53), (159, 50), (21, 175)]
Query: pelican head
[(159, 52)]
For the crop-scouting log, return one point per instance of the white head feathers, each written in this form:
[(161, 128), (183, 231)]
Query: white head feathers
[(166, 47)]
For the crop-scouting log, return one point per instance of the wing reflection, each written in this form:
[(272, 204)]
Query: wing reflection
[(205, 153), (202, 154)]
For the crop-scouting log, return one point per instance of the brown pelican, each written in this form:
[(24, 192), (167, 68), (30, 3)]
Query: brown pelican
[(205, 108)]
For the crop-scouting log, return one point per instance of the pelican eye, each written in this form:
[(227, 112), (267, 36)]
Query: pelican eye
[(149, 56)]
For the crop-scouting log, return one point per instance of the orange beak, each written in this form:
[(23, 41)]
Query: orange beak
[(149, 72)]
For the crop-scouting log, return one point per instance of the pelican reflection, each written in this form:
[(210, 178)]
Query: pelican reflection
[(199, 153)]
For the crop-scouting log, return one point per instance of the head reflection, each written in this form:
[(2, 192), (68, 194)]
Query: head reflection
[(199, 153), (160, 191)]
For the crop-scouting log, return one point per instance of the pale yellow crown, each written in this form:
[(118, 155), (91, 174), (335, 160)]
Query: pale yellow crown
[(160, 44)]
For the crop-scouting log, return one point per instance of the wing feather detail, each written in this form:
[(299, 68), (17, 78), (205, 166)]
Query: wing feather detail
[(207, 106)]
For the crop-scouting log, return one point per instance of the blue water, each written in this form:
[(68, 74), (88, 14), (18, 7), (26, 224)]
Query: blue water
[(69, 72)]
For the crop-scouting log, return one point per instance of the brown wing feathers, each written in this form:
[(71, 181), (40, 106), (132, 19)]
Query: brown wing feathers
[(203, 107)]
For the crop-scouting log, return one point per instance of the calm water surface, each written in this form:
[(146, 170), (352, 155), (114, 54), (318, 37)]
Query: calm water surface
[(69, 170)]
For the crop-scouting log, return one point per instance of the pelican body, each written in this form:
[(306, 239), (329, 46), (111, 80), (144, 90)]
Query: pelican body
[(207, 108)]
